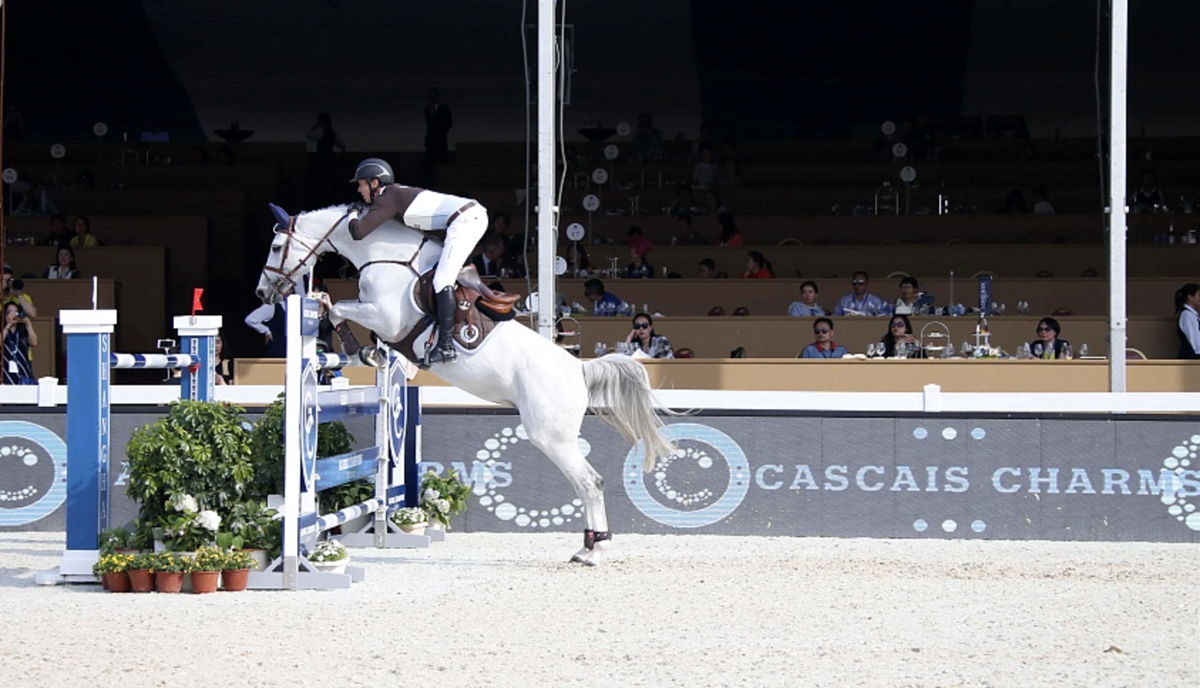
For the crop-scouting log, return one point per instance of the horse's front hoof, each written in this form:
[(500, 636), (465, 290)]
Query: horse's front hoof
[(370, 355)]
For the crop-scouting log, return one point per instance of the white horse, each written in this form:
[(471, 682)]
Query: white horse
[(551, 389)]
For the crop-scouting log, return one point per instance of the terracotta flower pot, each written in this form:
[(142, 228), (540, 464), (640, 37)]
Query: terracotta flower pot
[(235, 580), (168, 581), (118, 581), (205, 581), (104, 582), (141, 580)]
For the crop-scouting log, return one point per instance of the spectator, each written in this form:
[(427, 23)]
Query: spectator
[(488, 260), (65, 267), (14, 125), (1014, 204), (647, 141), (603, 301), (860, 301), (1187, 314), (823, 346), (222, 365), (757, 267), (638, 268), (686, 234), (704, 141), (912, 299), (1048, 345), (19, 335), (323, 133), (807, 305), (438, 122), (706, 173), (83, 234), (707, 269), (643, 338), (899, 340), (1148, 197), (14, 292), (59, 236), (683, 202), (712, 202), (198, 155), (729, 236), (731, 174), (578, 262), (638, 241), (1041, 202)]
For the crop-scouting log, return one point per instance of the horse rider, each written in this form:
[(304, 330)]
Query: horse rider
[(463, 219)]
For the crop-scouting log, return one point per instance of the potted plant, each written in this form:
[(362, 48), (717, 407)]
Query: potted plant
[(329, 556), (113, 567), (141, 572), (200, 449), (169, 568), (206, 569), (235, 573), (254, 527), (411, 519), (116, 540), (442, 496), (185, 529)]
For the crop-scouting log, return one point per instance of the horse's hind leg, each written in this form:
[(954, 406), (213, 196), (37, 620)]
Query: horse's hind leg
[(556, 434)]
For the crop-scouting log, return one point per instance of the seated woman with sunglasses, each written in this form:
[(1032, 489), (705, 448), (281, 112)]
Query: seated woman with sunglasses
[(1048, 345), (643, 338), (899, 340), (824, 346)]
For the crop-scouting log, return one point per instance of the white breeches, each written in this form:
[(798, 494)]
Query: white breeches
[(461, 238)]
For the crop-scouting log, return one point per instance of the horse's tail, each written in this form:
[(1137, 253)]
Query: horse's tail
[(619, 392)]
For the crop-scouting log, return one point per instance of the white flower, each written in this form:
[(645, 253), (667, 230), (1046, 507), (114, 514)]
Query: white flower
[(209, 520), (431, 494), (443, 506), (184, 502)]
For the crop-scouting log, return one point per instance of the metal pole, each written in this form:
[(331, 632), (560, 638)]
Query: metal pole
[(547, 232), (3, 50), (1116, 202)]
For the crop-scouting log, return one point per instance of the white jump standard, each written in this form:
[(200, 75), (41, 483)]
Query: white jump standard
[(392, 460)]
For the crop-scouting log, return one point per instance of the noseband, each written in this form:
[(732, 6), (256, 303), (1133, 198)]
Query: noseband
[(290, 275)]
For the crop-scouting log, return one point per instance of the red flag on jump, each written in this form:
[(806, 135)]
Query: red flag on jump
[(196, 305)]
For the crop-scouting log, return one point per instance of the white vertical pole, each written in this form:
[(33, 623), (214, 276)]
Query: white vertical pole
[(546, 229), (1116, 185)]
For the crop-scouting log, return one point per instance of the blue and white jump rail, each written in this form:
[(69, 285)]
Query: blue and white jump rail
[(89, 401), (392, 460)]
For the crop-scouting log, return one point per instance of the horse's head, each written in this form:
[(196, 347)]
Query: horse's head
[(298, 241)]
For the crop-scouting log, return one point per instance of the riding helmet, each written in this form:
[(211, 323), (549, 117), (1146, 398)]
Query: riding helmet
[(374, 168)]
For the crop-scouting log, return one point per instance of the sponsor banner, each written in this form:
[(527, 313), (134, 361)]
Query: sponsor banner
[(1107, 479)]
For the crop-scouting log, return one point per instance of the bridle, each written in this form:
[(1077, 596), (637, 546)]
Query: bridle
[(290, 275)]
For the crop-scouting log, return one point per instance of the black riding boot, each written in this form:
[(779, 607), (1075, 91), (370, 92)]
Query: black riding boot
[(444, 351)]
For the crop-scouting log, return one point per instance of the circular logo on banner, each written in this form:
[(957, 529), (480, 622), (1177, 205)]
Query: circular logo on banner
[(703, 482), (600, 175), (308, 411), (99, 128), (1183, 458), (591, 203), (575, 231), (490, 497), (58, 151), (10, 175), (33, 472)]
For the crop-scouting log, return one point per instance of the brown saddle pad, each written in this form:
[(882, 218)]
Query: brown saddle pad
[(475, 313)]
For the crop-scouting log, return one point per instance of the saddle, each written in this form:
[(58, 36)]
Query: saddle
[(477, 310)]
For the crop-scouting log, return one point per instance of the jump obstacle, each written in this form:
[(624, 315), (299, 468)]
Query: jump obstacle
[(394, 456), (89, 402), (392, 460)]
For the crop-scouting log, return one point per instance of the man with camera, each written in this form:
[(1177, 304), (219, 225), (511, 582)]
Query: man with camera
[(14, 292)]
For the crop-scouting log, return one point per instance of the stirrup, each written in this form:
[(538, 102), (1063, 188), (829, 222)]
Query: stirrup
[(440, 354), (371, 356)]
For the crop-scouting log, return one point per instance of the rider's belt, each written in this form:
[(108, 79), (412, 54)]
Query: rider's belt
[(460, 211)]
